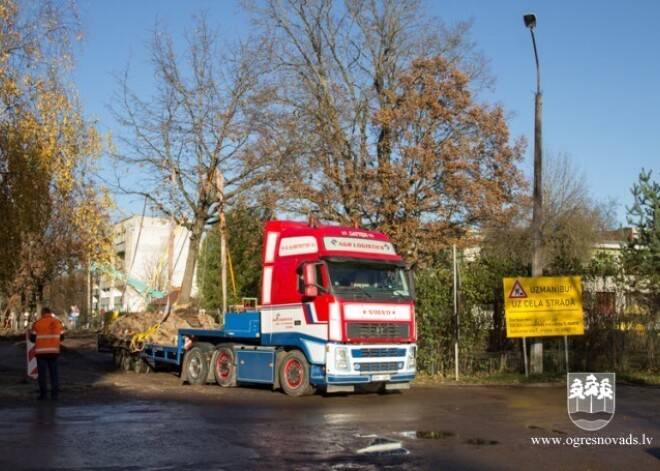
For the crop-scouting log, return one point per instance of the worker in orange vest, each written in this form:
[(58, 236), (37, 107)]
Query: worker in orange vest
[(47, 333)]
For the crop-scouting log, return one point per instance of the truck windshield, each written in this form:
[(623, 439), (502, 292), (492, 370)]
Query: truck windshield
[(371, 281)]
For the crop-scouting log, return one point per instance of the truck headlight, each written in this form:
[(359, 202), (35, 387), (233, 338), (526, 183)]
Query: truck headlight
[(412, 357), (341, 359)]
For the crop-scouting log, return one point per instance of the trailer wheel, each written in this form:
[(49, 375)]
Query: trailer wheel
[(294, 374), (126, 361), (224, 367), (140, 366), (116, 358), (196, 366)]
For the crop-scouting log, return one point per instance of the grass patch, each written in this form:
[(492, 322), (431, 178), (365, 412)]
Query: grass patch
[(492, 378), (646, 378), (640, 378), (516, 378)]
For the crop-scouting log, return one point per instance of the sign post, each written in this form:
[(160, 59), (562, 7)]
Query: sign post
[(524, 346), (458, 328), (544, 307)]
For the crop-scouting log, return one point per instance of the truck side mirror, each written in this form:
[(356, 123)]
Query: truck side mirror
[(310, 281), (411, 282)]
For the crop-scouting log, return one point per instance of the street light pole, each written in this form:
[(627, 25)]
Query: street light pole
[(536, 353)]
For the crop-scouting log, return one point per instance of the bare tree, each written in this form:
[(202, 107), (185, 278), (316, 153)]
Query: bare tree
[(572, 222), (382, 125), (191, 142)]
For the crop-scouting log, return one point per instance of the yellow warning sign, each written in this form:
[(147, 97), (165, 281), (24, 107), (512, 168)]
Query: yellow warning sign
[(543, 306), (517, 292)]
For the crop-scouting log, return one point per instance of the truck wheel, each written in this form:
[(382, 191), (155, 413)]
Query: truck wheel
[(116, 358), (224, 367), (294, 374), (140, 366), (126, 361), (196, 366)]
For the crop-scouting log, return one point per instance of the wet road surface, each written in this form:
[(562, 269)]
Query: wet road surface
[(165, 426)]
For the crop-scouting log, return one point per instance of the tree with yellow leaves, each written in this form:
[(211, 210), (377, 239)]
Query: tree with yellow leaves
[(53, 213)]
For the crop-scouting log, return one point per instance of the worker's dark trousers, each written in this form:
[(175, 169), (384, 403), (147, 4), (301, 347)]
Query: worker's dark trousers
[(47, 365)]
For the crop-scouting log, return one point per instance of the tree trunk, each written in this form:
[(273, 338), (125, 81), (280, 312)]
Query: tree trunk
[(191, 261)]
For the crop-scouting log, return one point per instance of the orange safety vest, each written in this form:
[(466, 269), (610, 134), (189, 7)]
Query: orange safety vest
[(48, 331)]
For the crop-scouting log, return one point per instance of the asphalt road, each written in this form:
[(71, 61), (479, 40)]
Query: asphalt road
[(107, 420)]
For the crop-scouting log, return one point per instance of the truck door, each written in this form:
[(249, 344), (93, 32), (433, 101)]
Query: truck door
[(316, 293)]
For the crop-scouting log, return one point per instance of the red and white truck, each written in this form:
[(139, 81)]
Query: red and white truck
[(336, 313)]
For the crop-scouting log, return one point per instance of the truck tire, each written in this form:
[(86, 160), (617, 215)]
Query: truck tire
[(140, 366), (294, 374), (126, 361), (116, 358), (196, 366), (224, 367)]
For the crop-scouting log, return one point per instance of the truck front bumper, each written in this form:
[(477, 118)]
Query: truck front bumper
[(389, 364)]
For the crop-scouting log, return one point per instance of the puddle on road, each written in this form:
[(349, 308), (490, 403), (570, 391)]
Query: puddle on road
[(385, 446), (145, 411), (536, 427), (382, 447), (480, 441), (428, 434), (439, 435), (337, 419)]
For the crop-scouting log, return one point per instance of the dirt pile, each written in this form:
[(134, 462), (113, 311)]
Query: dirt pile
[(154, 327)]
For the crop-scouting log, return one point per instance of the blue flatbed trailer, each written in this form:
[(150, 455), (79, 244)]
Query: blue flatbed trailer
[(253, 362), (239, 327)]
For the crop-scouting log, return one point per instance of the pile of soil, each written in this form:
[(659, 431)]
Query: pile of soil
[(157, 328)]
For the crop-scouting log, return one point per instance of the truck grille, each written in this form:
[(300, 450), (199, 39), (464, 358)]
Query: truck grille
[(364, 330), (378, 352), (381, 367)]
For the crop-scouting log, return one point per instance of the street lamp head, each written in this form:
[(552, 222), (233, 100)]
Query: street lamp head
[(530, 20)]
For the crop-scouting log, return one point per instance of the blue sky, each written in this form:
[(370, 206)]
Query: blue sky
[(600, 72)]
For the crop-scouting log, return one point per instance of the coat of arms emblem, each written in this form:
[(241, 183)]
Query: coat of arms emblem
[(591, 399)]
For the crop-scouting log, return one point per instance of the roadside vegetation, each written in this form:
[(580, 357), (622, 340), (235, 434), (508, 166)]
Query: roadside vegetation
[(554, 378)]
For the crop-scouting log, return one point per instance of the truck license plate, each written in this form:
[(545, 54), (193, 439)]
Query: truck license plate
[(380, 378)]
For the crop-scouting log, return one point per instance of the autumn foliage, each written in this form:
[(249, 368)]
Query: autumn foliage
[(53, 214), (445, 165), (386, 130)]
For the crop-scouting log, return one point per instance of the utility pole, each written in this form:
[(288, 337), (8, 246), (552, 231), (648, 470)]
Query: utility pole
[(536, 351)]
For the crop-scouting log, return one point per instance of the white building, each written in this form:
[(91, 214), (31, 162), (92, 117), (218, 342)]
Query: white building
[(151, 254)]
